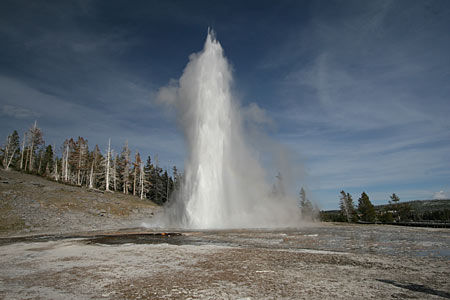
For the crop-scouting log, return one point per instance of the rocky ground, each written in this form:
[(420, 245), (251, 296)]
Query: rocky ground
[(218, 265), (32, 205), (320, 261)]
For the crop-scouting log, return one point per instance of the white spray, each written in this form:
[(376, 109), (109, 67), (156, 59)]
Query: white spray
[(224, 185)]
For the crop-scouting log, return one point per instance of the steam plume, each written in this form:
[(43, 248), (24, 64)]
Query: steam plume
[(224, 185)]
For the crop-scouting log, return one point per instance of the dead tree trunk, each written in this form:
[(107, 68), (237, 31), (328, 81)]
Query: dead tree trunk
[(56, 175), (66, 164), (10, 159), (31, 149), (5, 153), (108, 158), (114, 172), (23, 150), (141, 176)]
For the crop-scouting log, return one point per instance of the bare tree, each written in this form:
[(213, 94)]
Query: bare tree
[(10, 159), (115, 171), (5, 151), (23, 150), (80, 154), (91, 176), (108, 159), (36, 140), (40, 154), (94, 166), (55, 170), (343, 203), (167, 184), (126, 167), (12, 143), (141, 179), (136, 166), (65, 161)]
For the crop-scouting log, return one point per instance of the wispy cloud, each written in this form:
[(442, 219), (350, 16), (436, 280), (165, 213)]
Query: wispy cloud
[(363, 98), (18, 112)]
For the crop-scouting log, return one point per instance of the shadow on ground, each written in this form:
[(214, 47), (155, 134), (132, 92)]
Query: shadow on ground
[(417, 288)]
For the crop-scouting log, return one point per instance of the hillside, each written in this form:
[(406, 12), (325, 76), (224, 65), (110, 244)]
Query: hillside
[(31, 205), (416, 205), (423, 206)]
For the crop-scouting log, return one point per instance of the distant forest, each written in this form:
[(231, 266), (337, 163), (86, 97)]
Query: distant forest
[(393, 212), (111, 171)]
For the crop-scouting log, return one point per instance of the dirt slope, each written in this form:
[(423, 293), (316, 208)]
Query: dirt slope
[(32, 205)]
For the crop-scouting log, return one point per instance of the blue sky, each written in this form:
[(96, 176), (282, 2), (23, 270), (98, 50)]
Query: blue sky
[(358, 90)]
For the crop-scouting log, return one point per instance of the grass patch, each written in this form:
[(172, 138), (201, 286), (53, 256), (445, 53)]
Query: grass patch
[(9, 220)]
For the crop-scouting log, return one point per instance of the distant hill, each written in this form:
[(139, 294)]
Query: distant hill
[(423, 206), (416, 205)]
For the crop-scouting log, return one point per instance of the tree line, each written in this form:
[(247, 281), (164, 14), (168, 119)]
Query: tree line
[(393, 212), (78, 165)]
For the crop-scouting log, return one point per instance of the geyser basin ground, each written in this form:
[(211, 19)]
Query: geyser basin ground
[(319, 262)]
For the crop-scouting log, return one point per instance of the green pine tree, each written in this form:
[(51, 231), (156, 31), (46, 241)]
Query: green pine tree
[(366, 209), (47, 161)]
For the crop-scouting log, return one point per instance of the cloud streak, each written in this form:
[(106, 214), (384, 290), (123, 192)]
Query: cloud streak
[(18, 112), (368, 109)]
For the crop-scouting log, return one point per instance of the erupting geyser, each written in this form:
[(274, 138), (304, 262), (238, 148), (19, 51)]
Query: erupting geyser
[(224, 186)]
